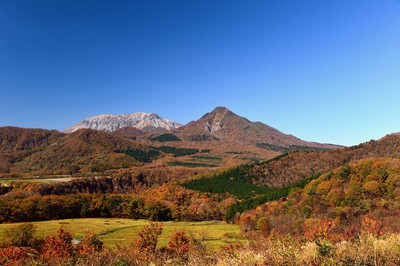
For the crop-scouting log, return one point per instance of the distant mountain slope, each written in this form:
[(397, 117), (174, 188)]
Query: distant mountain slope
[(301, 164), (38, 150), (110, 123), (17, 143), (84, 150), (129, 132), (298, 165), (15, 139), (221, 123)]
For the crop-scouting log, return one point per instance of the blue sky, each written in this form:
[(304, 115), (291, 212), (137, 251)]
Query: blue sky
[(326, 71)]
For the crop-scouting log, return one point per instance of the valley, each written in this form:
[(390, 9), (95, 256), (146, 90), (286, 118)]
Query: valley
[(230, 184)]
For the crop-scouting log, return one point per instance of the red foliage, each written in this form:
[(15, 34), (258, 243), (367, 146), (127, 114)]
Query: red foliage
[(90, 244), (13, 255), (315, 229), (370, 225), (148, 237), (179, 243), (58, 247)]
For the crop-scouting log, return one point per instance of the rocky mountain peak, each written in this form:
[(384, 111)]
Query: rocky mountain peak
[(111, 123), (213, 121)]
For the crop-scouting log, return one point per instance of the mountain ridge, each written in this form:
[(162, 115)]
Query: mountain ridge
[(111, 123), (222, 123)]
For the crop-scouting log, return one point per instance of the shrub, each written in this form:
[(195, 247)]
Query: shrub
[(324, 248), (59, 246), (370, 225), (148, 237), (316, 229), (20, 236), (13, 256), (90, 243), (179, 243), (264, 225)]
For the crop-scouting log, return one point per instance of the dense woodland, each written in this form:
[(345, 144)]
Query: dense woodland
[(361, 196)]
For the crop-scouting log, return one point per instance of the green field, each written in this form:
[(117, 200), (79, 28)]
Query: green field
[(115, 232)]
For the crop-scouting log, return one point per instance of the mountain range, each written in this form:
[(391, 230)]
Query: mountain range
[(107, 142), (221, 123)]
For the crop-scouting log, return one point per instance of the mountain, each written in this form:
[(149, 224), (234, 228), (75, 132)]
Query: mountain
[(85, 150), (223, 124), (110, 123), (110, 142), (17, 143)]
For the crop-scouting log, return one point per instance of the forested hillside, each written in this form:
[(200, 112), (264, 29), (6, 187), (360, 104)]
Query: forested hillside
[(341, 203)]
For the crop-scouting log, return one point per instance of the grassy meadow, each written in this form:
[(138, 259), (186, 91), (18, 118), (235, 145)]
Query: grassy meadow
[(114, 232)]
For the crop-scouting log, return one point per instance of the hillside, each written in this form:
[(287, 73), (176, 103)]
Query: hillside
[(361, 196), (38, 150), (18, 143), (223, 124), (297, 165)]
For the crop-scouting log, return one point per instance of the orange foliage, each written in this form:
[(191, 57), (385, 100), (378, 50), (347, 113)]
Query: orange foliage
[(59, 246), (324, 187), (148, 237), (179, 243), (370, 225), (315, 229), (372, 188), (90, 243), (13, 255)]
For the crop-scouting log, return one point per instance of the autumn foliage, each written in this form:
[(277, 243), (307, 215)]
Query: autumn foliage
[(59, 246), (148, 237), (179, 243), (14, 256), (359, 198), (89, 244)]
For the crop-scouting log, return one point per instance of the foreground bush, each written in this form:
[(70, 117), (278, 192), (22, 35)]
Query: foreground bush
[(271, 249)]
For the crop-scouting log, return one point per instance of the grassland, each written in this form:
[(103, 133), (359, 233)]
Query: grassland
[(115, 232)]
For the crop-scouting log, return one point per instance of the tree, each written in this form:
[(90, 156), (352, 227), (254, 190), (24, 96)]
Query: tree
[(156, 211), (20, 236)]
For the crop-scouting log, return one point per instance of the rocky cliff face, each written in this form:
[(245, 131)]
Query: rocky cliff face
[(111, 123)]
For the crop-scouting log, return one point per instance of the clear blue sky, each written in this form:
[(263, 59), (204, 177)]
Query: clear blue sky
[(326, 71)]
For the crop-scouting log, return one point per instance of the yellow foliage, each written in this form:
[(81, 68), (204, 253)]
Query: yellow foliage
[(372, 188), (324, 187)]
